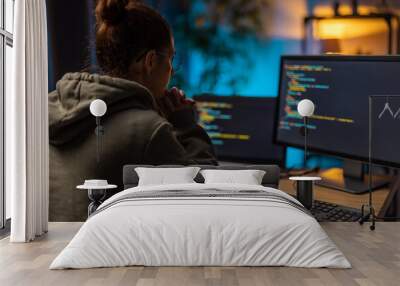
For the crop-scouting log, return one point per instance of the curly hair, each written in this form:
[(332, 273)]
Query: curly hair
[(124, 30)]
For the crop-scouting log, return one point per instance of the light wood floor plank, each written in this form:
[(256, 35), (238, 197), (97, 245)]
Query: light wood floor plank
[(375, 257)]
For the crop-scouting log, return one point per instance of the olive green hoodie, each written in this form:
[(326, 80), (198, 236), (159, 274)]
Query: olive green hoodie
[(135, 133)]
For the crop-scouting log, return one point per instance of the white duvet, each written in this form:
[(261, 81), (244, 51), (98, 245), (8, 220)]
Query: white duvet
[(200, 231)]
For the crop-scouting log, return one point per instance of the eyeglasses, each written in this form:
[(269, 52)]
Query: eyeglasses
[(175, 60)]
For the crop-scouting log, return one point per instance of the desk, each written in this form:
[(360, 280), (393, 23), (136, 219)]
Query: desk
[(339, 197)]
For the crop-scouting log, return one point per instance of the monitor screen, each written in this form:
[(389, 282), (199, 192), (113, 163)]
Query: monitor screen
[(340, 87), (240, 127)]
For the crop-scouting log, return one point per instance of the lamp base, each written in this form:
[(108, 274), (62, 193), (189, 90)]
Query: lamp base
[(369, 216)]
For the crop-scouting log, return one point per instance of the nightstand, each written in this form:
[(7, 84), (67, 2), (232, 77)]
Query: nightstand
[(96, 195), (305, 189)]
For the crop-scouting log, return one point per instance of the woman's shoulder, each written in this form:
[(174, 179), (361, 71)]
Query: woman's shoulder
[(75, 92), (145, 120)]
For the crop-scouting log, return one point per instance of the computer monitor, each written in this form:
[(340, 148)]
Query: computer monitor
[(241, 128), (340, 87)]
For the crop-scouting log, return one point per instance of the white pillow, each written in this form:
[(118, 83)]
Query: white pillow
[(248, 177), (165, 176)]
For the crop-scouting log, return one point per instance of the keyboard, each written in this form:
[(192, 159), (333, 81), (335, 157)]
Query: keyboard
[(324, 211)]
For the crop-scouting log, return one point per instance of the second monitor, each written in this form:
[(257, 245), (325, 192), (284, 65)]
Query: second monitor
[(340, 87), (241, 127)]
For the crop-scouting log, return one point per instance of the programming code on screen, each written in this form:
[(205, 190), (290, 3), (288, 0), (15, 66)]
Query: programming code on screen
[(240, 127), (304, 81), (211, 113), (340, 90)]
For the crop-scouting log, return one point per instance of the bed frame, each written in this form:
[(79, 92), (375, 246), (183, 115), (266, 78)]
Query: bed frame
[(270, 179)]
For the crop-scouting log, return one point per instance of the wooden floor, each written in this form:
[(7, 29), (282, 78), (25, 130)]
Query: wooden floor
[(375, 257)]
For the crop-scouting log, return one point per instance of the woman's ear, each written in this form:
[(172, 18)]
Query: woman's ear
[(150, 61)]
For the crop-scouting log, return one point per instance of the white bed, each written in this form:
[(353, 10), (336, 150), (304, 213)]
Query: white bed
[(202, 231)]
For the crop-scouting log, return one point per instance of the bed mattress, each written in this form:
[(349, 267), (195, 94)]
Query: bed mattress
[(201, 225)]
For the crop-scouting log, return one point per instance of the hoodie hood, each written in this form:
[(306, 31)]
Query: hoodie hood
[(69, 114)]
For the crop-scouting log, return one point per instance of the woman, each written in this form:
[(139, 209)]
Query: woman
[(144, 123)]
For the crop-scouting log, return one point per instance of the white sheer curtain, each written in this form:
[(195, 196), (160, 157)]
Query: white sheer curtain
[(27, 124)]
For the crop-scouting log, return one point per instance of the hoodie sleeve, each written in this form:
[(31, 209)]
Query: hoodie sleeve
[(180, 142)]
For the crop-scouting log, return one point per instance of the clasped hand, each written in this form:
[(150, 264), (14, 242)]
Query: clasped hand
[(174, 100)]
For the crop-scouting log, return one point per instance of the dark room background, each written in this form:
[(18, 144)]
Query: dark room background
[(223, 50)]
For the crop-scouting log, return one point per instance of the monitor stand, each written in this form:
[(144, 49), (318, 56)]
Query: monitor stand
[(351, 179)]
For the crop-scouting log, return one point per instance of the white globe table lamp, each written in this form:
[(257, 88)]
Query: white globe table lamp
[(306, 109), (98, 108)]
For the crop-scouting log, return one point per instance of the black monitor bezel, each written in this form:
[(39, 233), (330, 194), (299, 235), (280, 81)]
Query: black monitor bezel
[(244, 159), (384, 58)]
